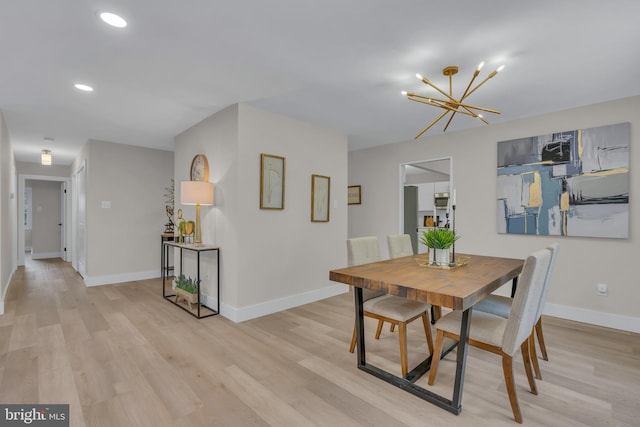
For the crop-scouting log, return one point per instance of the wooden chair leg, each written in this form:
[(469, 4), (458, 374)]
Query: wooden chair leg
[(352, 347), (543, 348), (379, 329), (507, 368), (534, 355), (427, 332), (435, 357), (524, 348), (402, 337), (392, 327)]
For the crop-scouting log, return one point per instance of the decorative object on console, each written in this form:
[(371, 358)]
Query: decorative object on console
[(320, 196), (187, 289), (169, 206), (354, 194), (451, 104), (272, 179), (196, 193)]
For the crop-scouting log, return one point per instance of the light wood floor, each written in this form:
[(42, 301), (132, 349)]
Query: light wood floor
[(122, 356)]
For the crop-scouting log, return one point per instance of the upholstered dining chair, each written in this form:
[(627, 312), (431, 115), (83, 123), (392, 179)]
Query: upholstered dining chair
[(387, 308), (400, 245), (501, 306), (499, 335)]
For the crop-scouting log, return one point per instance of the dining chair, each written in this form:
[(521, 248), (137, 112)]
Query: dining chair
[(386, 308), (501, 306), (499, 335), (400, 245)]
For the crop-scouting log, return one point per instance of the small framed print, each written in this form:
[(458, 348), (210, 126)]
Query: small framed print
[(320, 194), (272, 172), (353, 195)]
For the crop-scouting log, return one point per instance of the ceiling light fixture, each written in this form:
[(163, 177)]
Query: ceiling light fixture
[(451, 104), (45, 158), (83, 87), (113, 19)]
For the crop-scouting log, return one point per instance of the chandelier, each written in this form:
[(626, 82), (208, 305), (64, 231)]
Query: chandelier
[(450, 104)]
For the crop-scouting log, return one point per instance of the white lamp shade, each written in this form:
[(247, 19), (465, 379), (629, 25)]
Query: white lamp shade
[(45, 158), (196, 193)]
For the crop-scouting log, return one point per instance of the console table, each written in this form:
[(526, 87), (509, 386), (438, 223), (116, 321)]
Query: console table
[(202, 310)]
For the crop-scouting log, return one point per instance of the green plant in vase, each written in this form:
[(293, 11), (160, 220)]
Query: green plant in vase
[(439, 238), (187, 284)]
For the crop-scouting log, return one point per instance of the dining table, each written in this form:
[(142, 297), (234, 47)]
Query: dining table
[(468, 279)]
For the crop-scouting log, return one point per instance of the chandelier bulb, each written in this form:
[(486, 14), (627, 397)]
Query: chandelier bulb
[(499, 68), (480, 65), (419, 76), (404, 92)]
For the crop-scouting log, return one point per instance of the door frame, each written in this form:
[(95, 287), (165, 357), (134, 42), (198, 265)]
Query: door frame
[(402, 179), (66, 212)]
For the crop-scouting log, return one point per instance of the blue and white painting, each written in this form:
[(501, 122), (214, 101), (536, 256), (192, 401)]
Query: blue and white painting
[(573, 183)]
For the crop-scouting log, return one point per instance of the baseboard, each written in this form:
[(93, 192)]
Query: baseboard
[(46, 255), (5, 289), (598, 318), (120, 278), (268, 307)]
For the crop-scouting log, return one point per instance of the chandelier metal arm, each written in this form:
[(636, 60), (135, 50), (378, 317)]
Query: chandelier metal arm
[(431, 124), (475, 74), (491, 75)]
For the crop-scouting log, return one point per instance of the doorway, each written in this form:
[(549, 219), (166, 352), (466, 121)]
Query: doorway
[(419, 183), (58, 231)]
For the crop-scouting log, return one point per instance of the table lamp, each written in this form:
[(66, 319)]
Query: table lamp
[(196, 193)]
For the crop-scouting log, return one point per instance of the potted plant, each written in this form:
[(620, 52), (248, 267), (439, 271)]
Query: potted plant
[(186, 288), (441, 240)]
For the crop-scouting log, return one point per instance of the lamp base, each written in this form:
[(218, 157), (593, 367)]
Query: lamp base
[(198, 235)]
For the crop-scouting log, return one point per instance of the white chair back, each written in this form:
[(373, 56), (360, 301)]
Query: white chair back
[(399, 245), (364, 250), (553, 248), (526, 300)]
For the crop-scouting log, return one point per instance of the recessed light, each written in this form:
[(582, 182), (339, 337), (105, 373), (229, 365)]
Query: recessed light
[(113, 19), (83, 87)]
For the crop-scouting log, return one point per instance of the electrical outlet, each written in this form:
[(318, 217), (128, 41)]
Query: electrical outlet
[(602, 289)]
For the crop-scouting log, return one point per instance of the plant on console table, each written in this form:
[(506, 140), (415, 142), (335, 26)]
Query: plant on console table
[(186, 288), (440, 240)]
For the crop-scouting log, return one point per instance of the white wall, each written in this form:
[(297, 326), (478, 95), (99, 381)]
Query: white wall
[(582, 263), (123, 241), (8, 212), (270, 259)]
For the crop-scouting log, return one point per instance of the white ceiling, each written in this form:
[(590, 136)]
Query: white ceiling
[(339, 64)]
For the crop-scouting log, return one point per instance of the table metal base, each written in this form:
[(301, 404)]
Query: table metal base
[(453, 405)]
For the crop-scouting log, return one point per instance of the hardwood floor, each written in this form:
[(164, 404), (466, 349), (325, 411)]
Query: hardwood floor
[(122, 356)]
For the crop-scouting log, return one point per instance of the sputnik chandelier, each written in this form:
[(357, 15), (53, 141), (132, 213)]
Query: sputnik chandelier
[(451, 104)]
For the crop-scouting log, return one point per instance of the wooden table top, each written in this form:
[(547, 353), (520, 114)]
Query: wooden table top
[(457, 288)]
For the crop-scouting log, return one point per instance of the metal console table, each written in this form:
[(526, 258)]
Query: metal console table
[(198, 249)]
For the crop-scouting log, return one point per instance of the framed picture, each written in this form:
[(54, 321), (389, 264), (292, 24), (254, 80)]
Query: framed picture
[(353, 195), (320, 194), (272, 172)]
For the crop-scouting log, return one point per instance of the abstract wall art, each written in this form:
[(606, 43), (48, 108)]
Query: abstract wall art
[(572, 183)]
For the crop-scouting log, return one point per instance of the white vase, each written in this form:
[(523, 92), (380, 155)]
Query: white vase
[(443, 256)]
